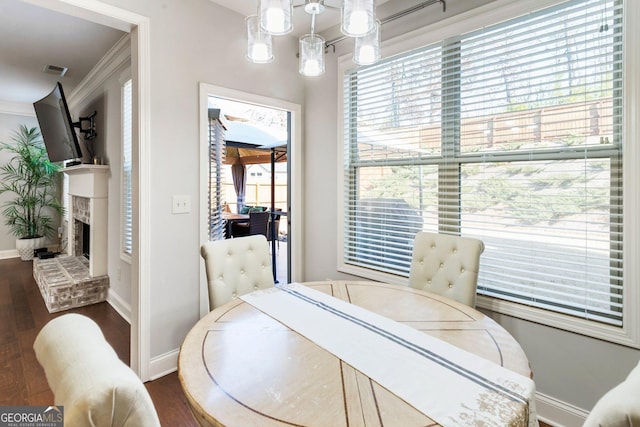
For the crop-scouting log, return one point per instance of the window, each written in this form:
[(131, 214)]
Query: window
[(65, 197), (64, 224), (511, 134), (127, 200), (217, 150)]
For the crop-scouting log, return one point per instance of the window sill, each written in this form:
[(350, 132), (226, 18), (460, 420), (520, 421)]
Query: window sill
[(614, 334), (370, 274), (126, 258)]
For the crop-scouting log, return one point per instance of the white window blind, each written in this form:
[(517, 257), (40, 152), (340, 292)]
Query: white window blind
[(65, 197), (217, 150), (511, 134), (127, 198)]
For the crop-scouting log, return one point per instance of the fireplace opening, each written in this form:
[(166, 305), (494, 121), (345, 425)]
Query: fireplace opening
[(86, 233)]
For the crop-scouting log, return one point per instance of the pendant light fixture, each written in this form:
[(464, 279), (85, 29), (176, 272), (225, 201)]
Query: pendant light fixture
[(259, 42), (358, 20), (275, 16), (311, 55), (312, 45), (358, 17), (366, 49)]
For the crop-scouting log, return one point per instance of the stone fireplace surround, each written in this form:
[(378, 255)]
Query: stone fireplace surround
[(72, 280), (88, 203), (80, 218)]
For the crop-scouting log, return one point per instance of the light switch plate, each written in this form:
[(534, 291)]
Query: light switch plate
[(181, 204)]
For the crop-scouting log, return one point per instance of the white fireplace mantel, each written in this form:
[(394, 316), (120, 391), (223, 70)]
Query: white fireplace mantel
[(91, 182)]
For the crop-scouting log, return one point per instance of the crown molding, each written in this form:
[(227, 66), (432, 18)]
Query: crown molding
[(17, 108), (89, 10), (118, 55)]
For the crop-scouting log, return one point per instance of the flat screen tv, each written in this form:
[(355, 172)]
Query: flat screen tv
[(57, 128)]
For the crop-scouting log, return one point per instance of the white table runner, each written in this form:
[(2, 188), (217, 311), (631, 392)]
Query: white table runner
[(449, 385)]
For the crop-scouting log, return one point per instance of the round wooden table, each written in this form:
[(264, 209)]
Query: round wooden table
[(240, 367)]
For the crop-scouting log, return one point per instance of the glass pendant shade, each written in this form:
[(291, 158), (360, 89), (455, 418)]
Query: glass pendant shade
[(358, 17), (311, 55), (367, 48), (259, 42), (275, 16)]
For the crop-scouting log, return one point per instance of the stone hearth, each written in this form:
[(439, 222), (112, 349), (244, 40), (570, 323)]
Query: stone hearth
[(65, 283)]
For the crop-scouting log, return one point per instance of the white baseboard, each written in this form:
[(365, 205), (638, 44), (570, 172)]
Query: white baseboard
[(13, 253), (119, 305), (10, 253), (558, 413), (163, 364)]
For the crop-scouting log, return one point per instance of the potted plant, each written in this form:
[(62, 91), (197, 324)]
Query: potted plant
[(32, 178)]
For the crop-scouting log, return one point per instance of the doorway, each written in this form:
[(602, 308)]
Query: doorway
[(138, 26), (273, 165), (254, 174)]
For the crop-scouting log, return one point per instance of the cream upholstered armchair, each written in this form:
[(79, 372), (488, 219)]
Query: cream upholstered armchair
[(86, 376), (446, 265), (620, 406), (235, 267)]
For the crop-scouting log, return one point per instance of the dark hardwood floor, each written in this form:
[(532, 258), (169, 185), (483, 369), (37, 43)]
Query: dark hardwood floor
[(23, 314)]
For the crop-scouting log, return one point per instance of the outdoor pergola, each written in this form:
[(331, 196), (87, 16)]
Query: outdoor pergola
[(247, 144)]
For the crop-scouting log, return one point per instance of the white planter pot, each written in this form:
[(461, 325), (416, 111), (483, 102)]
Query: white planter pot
[(25, 247)]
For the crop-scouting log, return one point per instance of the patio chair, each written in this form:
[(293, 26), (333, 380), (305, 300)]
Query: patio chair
[(257, 224), (235, 267), (446, 265)]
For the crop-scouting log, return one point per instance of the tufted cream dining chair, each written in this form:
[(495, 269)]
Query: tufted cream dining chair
[(446, 265), (620, 406), (235, 267)]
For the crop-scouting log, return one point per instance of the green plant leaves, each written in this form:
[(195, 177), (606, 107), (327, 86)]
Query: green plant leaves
[(32, 178)]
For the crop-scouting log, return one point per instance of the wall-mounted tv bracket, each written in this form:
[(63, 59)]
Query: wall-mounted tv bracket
[(90, 131)]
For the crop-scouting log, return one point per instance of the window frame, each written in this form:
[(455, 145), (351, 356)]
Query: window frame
[(496, 12)]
